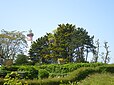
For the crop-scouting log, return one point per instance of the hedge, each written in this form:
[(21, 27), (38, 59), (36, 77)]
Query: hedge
[(76, 76), (65, 68)]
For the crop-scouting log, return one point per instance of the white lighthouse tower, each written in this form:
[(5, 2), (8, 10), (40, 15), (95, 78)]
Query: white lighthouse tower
[(29, 39), (30, 36)]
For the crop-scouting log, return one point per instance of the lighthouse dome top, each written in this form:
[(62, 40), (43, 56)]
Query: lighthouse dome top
[(30, 33)]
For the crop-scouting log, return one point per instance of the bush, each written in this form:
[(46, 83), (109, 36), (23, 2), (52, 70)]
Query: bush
[(28, 72), (13, 79), (8, 62), (3, 73), (10, 68), (43, 73), (23, 74), (21, 59)]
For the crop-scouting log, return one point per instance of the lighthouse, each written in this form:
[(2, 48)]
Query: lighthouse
[(29, 39), (30, 36)]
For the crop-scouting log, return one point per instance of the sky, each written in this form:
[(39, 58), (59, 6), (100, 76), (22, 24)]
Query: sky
[(96, 16)]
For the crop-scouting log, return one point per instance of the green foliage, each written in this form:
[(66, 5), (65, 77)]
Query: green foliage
[(55, 70), (4, 70), (39, 49), (28, 72), (3, 73), (10, 68), (43, 73), (65, 42), (72, 78), (62, 69), (76, 75), (12, 79), (21, 59)]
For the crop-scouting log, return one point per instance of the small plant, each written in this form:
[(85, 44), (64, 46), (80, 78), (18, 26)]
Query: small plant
[(3, 73), (13, 79)]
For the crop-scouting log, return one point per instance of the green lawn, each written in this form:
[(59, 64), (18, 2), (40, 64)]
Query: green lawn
[(98, 79)]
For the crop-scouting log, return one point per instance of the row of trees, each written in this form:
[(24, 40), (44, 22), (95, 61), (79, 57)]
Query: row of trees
[(67, 42), (104, 55)]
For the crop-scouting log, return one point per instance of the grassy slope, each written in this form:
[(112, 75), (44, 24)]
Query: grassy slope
[(98, 79)]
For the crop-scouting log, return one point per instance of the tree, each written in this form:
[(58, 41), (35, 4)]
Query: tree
[(63, 39), (65, 42), (21, 59), (12, 43), (105, 57), (83, 44), (72, 41), (96, 51), (39, 49)]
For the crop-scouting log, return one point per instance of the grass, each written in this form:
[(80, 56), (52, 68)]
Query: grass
[(98, 79)]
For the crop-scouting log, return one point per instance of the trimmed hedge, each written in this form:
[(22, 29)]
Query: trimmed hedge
[(76, 76), (65, 68), (28, 72), (55, 70), (10, 68), (58, 70)]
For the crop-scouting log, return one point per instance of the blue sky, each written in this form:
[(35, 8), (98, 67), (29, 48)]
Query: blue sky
[(96, 16)]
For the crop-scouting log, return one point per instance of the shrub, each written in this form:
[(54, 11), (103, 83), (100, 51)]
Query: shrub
[(3, 73), (12, 79), (8, 62), (10, 68), (21, 59), (43, 73), (28, 72), (23, 74)]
